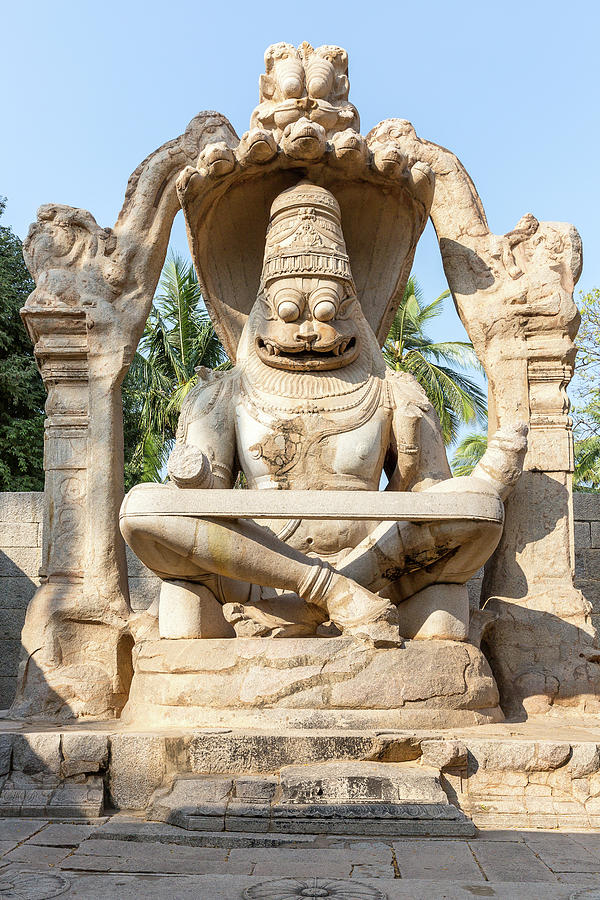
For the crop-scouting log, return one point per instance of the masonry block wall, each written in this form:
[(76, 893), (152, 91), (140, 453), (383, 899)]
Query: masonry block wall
[(21, 517), (587, 550)]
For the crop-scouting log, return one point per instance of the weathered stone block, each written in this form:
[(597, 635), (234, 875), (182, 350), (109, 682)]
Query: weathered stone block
[(22, 561), (21, 506), (11, 624), (582, 535), (138, 765), (594, 534), (442, 754), (586, 506), (6, 745), (19, 534), (16, 591), (37, 752), (359, 782), (590, 589), (518, 756), (251, 682), (83, 752), (591, 563), (11, 653), (585, 760), (255, 788)]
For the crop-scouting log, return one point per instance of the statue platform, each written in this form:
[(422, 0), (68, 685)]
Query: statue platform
[(277, 781), (337, 682)]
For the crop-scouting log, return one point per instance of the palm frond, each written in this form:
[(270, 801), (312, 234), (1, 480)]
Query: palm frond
[(440, 366), (178, 337), (468, 453)]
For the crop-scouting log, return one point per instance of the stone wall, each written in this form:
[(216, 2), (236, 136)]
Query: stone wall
[(21, 517), (587, 550)]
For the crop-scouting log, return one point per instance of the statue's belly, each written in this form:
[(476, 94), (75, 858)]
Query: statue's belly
[(300, 454), (321, 537)]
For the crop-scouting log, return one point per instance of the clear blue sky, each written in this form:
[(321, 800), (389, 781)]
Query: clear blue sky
[(511, 87)]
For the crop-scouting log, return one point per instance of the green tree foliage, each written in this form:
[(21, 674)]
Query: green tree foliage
[(22, 394), (468, 453), (586, 410), (178, 338), (438, 367)]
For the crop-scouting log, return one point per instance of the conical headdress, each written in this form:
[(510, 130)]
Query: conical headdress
[(305, 235)]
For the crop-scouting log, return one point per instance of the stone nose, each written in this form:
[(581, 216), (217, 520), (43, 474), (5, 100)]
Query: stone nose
[(307, 332)]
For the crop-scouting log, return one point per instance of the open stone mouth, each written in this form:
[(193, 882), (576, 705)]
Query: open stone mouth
[(307, 351)]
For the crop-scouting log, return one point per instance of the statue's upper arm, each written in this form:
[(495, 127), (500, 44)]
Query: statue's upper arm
[(417, 442), (207, 422)]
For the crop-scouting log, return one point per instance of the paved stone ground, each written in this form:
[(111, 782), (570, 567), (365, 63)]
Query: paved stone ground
[(124, 857)]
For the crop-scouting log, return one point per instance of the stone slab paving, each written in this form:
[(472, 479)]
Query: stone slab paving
[(124, 857)]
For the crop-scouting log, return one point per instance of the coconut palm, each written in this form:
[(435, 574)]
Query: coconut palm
[(468, 453), (438, 367), (178, 338), (586, 475)]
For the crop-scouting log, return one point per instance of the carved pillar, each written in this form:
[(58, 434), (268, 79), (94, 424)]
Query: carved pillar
[(62, 618), (61, 351), (542, 645), (94, 288), (514, 295)]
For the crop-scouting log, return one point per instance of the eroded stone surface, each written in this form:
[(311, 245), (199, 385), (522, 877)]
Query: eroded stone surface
[(311, 681)]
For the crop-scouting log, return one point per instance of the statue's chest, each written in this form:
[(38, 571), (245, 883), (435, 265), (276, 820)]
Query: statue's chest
[(312, 449)]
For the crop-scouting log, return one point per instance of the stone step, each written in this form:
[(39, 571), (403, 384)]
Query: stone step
[(335, 797)]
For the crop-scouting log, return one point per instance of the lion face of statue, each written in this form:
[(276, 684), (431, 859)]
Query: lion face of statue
[(308, 323)]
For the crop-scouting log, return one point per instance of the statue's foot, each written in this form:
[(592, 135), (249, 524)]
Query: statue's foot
[(361, 613), (251, 621), (243, 625), (384, 632)]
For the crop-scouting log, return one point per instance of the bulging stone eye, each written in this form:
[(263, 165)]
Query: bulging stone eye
[(288, 310), (325, 310)]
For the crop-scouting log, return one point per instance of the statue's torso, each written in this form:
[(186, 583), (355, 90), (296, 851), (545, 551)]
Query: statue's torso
[(331, 449)]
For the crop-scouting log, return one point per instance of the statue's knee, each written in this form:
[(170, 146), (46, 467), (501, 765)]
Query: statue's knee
[(133, 528)]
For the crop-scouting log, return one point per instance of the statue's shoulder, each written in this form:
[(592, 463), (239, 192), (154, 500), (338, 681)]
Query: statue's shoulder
[(213, 386), (405, 391)]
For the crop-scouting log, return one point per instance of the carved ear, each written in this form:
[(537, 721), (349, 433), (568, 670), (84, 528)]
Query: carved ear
[(341, 88), (266, 87)]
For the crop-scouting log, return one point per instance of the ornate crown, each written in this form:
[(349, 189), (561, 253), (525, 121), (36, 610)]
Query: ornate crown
[(305, 236)]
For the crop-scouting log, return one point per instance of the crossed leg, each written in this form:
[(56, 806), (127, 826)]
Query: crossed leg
[(180, 547)]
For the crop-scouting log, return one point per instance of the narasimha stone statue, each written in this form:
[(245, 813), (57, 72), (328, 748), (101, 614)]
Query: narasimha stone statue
[(303, 233), (310, 405)]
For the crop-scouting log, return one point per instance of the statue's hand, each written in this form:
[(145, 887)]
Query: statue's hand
[(189, 467), (502, 463)]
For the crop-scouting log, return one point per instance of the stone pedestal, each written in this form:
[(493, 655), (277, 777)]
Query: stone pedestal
[(310, 683)]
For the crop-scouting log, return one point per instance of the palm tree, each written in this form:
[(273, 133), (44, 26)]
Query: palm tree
[(456, 398), (586, 476), (468, 453), (178, 338)]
